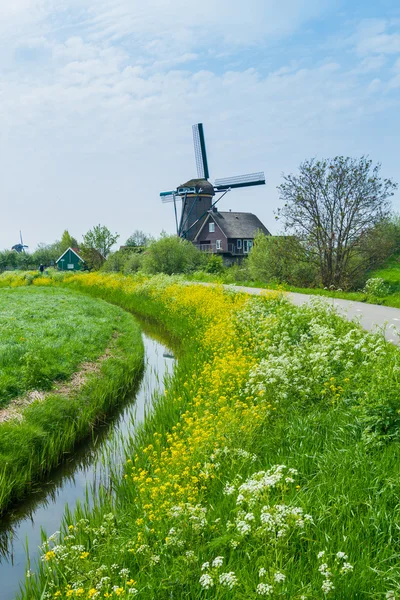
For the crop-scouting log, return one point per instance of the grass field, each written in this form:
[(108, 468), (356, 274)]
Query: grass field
[(47, 334), (269, 468)]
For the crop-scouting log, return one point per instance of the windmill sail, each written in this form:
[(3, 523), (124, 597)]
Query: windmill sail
[(200, 151), (167, 196), (240, 181)]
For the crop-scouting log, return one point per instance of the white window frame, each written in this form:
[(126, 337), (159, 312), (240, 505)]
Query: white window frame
[(239, 244), (247, 246), (211, 227), (218, 245)]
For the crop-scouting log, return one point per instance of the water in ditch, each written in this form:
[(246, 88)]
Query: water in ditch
[(20, 530)]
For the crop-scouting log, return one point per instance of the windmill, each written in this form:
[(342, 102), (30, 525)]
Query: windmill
[(19, 247), (198, 195)]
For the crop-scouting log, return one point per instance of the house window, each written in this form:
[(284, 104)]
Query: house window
[(247, 246), (211, 227), (239, 244), (70, 266), (218, 245)]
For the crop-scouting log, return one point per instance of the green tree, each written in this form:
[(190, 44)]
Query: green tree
[(281, 259), (171, 255), (100, 238), (94, 259), (330, 205), (67, 241), (46, 254), (138, 239)]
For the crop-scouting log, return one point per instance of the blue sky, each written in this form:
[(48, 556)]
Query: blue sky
[(97, 100)]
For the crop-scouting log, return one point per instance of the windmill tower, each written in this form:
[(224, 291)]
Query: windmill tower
[(199, 196)]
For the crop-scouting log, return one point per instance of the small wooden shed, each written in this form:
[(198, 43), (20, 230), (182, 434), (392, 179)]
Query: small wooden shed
[(70, 260)]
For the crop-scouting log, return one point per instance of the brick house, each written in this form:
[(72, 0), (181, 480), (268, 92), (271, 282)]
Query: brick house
[(229, 233)]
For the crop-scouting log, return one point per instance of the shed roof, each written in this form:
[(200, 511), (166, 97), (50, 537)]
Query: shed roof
[(238, 224), (74, 250)]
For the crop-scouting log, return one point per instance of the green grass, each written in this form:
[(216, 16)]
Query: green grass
[(61, 329), (46, 334)]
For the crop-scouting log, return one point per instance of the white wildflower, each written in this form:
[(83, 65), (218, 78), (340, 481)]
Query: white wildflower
[(205, 566), (341, 555), (229, 489), (264, 589), (243, 527), (390, 595), (206, 581), (327, 586), (228, 579), (346, 568), (218, 561), (279, 577), (262, 572), (324, 570), (321, 554)]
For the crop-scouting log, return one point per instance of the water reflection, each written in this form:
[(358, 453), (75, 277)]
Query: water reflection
[(21, 527)]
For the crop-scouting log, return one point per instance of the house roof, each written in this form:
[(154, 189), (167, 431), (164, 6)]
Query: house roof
[(237, 224), (74, 250)]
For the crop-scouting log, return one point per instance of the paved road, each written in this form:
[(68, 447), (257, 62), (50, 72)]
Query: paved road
[(370, 316)]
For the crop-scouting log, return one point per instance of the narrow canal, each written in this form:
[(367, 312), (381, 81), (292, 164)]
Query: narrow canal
[(84, 473)]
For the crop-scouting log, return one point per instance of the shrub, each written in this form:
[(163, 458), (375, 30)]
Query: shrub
[(282, 259), (215, 264), (376, 287), (171, 254)]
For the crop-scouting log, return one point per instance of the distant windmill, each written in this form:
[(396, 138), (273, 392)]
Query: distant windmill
[(19, 247), (197, 194)]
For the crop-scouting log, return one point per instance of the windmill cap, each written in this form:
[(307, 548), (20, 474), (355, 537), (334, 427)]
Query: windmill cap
[(206, 187)]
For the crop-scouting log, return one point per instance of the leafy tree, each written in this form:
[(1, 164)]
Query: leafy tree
[(283, 259), (100, 238), (126, 260), (330, 205), (94, 259), (138, 239), (67, 241), (46, 254), (171, 254)]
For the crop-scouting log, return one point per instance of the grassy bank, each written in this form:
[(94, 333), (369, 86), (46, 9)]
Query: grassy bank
[(47, 335), (269, 468)]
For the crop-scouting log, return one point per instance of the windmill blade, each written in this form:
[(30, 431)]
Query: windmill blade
[(200, 151), (167, 197), (240, 181)]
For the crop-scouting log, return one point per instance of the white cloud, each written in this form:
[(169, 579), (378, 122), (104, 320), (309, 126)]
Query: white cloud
[(374, 36)]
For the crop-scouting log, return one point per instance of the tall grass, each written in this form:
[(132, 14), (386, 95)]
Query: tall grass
[(270, 467), (46, 334), (62, 328)]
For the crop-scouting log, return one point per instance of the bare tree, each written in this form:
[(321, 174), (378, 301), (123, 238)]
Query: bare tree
[(331, 205)]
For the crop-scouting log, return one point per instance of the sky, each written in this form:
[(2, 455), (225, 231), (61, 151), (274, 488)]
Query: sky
[(97, 100)]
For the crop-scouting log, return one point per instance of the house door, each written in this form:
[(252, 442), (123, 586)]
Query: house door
[(247, 246)]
